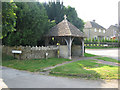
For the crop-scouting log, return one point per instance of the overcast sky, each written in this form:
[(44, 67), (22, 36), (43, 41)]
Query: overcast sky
[(105, 12)]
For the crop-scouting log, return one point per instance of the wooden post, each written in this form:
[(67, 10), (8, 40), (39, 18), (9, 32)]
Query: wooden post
[(69, 44), (82, 46)]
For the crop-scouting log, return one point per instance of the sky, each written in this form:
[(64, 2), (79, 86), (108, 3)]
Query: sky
[(104, 12)]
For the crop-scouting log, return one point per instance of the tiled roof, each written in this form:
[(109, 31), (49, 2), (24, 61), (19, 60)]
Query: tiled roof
[(93, 24), (65, 28), (113, 27)]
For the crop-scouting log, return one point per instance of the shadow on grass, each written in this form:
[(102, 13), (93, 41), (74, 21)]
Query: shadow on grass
[(6, 57)]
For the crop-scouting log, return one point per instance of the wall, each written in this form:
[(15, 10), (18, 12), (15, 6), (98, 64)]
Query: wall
[(39, 52), (75, 51), (63, 51), (31, 52)]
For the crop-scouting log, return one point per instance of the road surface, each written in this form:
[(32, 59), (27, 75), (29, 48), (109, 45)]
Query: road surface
[(23, 79), (113, 53)]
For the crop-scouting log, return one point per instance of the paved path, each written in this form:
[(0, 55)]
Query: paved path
[(47, 69), (107, 62), (23, 79), (74, 59), (113, 52)]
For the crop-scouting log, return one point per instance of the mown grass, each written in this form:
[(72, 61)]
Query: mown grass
[(89, 55), (31, 65), (108, 59), (88, 69)]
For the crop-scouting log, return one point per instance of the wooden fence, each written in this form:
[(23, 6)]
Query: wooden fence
[(101, 44)]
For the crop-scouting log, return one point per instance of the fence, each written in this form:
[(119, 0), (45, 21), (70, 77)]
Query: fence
[(29, 52), (101, 44)]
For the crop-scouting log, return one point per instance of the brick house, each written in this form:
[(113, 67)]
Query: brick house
[(94, 30)]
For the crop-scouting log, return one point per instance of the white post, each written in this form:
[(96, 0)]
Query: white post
[(82, 46)]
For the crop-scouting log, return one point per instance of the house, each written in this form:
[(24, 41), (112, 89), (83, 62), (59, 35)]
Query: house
[(94, 30), (112, 32)]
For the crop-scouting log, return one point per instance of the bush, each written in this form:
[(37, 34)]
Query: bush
[(96, 40), (89, 40), (86, 40), (102, 40), (93, 40)]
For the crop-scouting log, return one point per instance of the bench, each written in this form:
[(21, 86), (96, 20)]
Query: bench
[(105, 45)]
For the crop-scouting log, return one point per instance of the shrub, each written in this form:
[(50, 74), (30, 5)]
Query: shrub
[(89, 39), (93, 40), (102, 40), (105, 40)]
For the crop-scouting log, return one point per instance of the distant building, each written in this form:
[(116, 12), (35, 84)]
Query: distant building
[(94, 30), (112, 32)]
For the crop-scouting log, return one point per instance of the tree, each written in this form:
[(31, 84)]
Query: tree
[(8, 18), (32, 22), (56, 11), (73, 17)]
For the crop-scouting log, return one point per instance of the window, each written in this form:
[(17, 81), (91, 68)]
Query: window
[(103, 31), (95, 29), (99, 30), (95, 37)]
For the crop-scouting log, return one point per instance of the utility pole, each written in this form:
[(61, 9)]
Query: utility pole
[(119, 22)]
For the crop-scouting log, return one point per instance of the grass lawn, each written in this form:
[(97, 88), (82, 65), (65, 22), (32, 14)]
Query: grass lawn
[(89, 55), (88, 69), (108, 59), (30, 65)]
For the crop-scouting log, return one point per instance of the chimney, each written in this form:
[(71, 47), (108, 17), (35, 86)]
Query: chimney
[(93, 20), (116, 24)]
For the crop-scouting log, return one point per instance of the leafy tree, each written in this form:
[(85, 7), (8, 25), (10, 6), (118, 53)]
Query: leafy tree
[(32, 23), (8, 18), (73, 17), (56, 11)]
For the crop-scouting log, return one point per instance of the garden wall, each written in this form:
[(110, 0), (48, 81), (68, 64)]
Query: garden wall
[(29, 52)]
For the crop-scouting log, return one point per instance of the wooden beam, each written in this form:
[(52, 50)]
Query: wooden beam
[(69, 44)]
